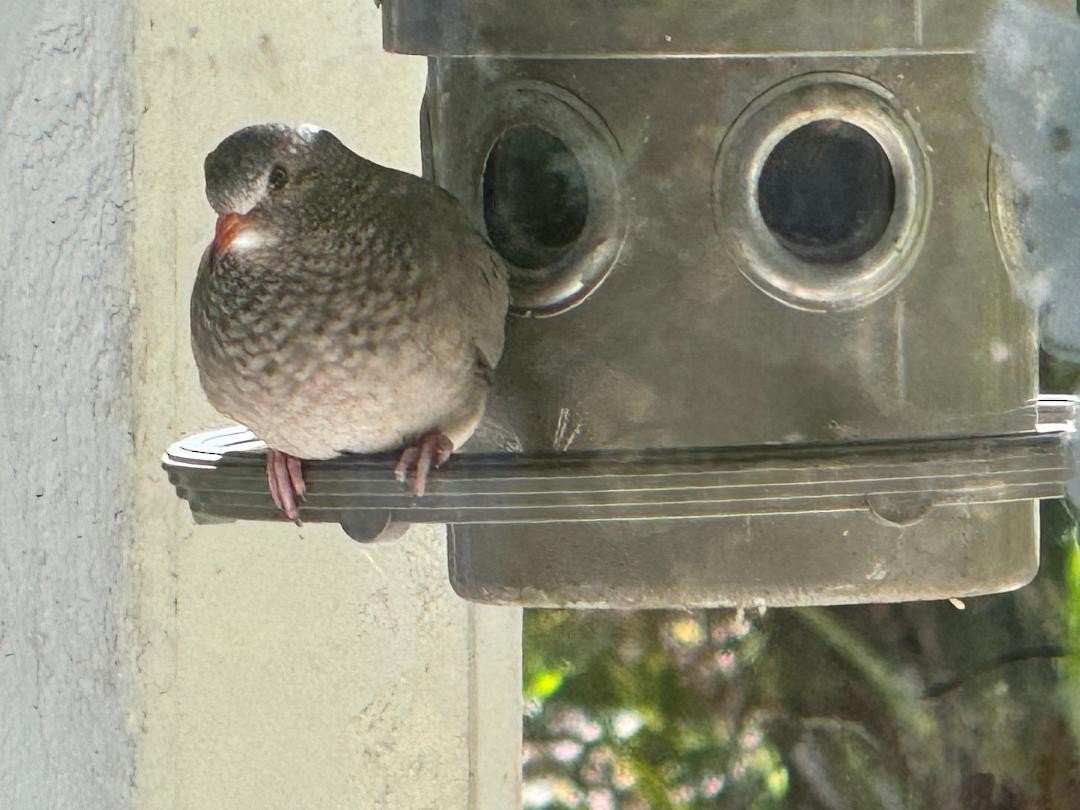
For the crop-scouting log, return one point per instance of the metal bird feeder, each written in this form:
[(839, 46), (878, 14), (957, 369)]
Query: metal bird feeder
[(764, 349)]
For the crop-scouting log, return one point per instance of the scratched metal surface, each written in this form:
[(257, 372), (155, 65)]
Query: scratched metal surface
[(676, 321), (593, 28), (677, 345), (729, 506)]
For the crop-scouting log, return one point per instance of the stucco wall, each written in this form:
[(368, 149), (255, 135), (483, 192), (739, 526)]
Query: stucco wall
[(280, 667), (65, 479), (145, 661)]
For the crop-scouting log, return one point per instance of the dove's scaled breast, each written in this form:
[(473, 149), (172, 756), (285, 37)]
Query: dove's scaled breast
[(375, 319)]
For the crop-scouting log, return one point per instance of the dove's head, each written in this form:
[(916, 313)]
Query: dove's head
[(268, 173)]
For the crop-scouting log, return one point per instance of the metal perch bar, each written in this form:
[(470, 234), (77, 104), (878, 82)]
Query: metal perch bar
[(221, 474)]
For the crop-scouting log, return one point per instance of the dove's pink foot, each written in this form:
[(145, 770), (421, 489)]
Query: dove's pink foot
[(285, 478), (431, 449)]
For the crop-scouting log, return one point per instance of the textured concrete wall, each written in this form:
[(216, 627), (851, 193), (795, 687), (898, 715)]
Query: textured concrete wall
[(65, 479), (258, 666), (280, 667)]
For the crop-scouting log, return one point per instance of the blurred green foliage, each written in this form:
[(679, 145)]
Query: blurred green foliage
[(918, 705)]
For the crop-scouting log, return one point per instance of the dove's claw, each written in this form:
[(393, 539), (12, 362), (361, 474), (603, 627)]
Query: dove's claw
[(285, 478), (430, 450)]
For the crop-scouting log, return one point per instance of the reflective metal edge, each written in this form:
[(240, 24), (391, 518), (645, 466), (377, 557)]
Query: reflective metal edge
[(221, 474), (643, 28)]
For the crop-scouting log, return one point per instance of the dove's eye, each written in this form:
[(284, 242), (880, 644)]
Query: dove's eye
[(278, 178)]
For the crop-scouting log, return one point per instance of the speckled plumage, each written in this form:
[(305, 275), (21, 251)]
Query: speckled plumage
[(357, 309)]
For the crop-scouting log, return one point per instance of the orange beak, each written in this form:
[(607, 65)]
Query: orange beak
[(228, 226)]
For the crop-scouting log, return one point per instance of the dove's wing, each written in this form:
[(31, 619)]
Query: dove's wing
[(469, 272)]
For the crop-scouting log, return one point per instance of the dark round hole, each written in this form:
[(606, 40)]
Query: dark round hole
[(827, 192), (535, 197)]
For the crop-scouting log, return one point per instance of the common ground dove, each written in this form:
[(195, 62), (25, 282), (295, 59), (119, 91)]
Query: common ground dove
[(342, 306)]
